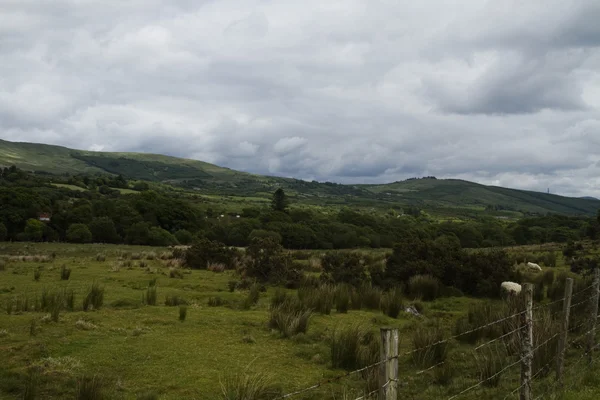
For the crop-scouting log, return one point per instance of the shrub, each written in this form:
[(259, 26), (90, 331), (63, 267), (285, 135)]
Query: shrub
[(391, 303), (231, 285), (252, 298), (100, 257), (353, 347), (249, 386), (267, 261), (204, 251), (182, 313), (174, 300), (37, 274), (65, 273), (342, 298), (90, 388), (149, 296), (94, 297), (289, 318), (425, 287), (429, 347)]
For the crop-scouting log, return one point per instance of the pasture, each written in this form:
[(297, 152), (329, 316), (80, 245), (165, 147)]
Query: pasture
[(139, 348)]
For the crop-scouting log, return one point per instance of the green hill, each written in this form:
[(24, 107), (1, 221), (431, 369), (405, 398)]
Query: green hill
[(442, 196)]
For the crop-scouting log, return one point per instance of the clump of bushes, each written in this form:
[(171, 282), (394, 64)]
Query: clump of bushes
[(205, 252)]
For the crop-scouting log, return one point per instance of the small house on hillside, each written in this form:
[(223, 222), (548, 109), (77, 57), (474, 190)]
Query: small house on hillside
[(44, 217)]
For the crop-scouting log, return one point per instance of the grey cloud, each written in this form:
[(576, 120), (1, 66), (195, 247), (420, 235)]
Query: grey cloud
[(348, 91)]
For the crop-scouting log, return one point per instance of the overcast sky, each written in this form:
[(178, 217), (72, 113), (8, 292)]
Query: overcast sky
[(500, 92)]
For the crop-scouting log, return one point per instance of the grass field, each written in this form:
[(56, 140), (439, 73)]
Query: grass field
[(140, 349)]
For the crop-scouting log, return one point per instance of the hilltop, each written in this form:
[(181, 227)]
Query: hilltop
[(441, 196)]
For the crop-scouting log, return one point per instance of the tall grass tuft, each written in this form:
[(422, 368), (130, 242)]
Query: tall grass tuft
[(94, 297), (443, 374), (252, 298), (32, 384), (342, 298), (216, 301), (491, 361), (249, 386), (37, 274), (391, 303), (279, 297), (545, 341), (65, 273), (182, 313), (174, 300), (426, 287), (356, 301), (429, 346), (353, 347), (149, 296), (90, 388), (371, 297), (69, 299), (290, 317), (319, 299)]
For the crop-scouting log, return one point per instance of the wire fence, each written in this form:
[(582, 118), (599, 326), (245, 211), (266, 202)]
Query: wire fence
[(544, 349)]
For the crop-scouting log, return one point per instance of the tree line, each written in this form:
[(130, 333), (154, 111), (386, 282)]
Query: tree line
[(153, 217)]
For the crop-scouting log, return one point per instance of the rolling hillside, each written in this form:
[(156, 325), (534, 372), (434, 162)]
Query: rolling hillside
[(450, 195)]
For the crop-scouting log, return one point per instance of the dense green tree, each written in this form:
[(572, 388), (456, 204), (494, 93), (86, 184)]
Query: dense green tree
[(34, 230), (79, 233), (280, 201), (3, 232), (339, 267), (184, 236), (204, 251), (263, 234), (267, 261), (160, 237), (104, 231), (138, 233)]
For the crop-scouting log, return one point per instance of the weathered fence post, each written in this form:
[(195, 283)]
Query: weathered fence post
[(593, 315), (527, 343), (562, 341), (388, 371)]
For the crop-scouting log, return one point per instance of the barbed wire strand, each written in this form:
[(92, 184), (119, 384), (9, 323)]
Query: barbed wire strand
[(500, 337)]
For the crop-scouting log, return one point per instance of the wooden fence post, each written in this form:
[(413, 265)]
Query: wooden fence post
[(593, 315), (527, 344), (388, 371), (562, 342)]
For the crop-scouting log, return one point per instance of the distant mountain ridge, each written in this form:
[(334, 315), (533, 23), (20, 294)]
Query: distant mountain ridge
[(425, 193)]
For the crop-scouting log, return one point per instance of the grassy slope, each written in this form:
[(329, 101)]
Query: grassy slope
[(187, 360), (211, 179)]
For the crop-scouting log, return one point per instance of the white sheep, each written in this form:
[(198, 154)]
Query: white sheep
[(534, 266), (510, 287)]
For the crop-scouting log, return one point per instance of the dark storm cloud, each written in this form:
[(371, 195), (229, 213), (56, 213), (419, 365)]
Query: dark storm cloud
[(505, 93)]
